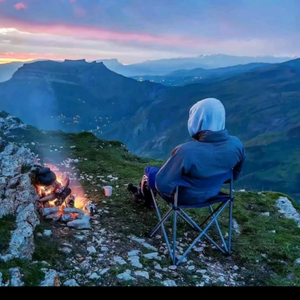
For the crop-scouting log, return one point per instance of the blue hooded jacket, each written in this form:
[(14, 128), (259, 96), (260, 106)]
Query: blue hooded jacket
[(214, 152)]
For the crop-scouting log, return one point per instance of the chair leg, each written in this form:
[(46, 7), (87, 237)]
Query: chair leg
[(190, 221), (161, 223), (218, 227), (174, 235), (200, 236), (230, 226)]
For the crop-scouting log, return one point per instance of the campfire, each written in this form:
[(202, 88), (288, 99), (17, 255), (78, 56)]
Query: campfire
[(57, 200)]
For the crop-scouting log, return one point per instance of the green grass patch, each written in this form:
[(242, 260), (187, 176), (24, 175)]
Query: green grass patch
[(7, 224)]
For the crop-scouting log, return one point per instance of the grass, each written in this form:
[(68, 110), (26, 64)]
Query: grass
[(7, 224), (269, 258)]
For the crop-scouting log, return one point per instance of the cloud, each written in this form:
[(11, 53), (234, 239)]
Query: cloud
[(20, 5)]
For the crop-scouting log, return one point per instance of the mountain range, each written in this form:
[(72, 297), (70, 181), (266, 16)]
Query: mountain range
[(262, 110), (163, 66)]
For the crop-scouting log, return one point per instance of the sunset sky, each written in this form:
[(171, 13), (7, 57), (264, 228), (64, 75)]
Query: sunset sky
[(137, 30)]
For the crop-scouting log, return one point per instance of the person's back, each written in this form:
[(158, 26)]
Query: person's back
[(216, 153), (201, 164)]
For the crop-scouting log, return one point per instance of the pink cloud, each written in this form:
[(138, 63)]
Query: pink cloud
[(94, 33), (20, 5)]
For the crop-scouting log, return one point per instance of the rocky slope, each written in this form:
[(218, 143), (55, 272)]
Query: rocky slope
[(115, 250)]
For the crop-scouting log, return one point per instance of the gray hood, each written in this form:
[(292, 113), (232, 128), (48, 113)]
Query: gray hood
[(207, 114)]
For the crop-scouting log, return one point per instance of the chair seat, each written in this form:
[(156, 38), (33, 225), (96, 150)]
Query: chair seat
[(221, 197)]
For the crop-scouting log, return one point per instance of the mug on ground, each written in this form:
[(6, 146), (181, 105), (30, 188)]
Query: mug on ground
[(108, 190)]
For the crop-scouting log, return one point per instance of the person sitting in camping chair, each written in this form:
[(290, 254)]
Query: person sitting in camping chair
[(211, 152)]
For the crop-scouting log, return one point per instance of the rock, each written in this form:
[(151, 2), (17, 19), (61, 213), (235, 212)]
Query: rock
[(142, 242), (266, 214), (6, 257), (16, 277), (297, 261), (288, 210), (235, 268), (158, 275), (91, 249), (119, 260), (0, 279), (51, 278), (169, 282), (173, 267), (22, 239), (191, 268), (201, 271), (47, 232), (102, 272), (200, 284), (236, 226), (153, 255), (125, 276), (135, 261), (94, 276), (83, 223), (71, 282), (134, 252), (142, 274), (66, 250), (157, 266)]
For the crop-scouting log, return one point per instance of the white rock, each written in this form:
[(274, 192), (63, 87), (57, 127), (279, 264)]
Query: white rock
[(173, 267), (104, 271), (153, 255), (191, 268), (297, 261), (135, 261), (94, 276), (142, 274), (158, 275), (125, 276), (201, 271), (119, 260), (288, 210), (71, 282), (266, 214), (157, 266), (134, 252), (169, 282), (91, 249), (235, 268), (200, 284)]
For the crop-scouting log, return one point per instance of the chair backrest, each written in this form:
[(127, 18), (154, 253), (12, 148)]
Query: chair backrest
[(215, 181)]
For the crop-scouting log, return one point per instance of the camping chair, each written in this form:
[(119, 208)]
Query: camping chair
[(177, 210)]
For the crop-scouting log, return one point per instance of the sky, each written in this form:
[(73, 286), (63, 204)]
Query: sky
[(133, 31)]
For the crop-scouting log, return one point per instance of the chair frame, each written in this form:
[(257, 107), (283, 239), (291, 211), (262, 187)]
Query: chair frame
[(177, 210)]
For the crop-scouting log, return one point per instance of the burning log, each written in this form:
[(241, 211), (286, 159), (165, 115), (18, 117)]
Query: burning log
[(48, 198), (56, 201)]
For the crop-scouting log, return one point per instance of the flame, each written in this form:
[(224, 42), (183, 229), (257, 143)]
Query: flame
[(77, 192)]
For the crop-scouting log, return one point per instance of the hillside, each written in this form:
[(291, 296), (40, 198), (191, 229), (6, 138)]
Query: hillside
[(262, 110), (7, 70), (73, 95), (116, 251), (200, 75), (164, 66)]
